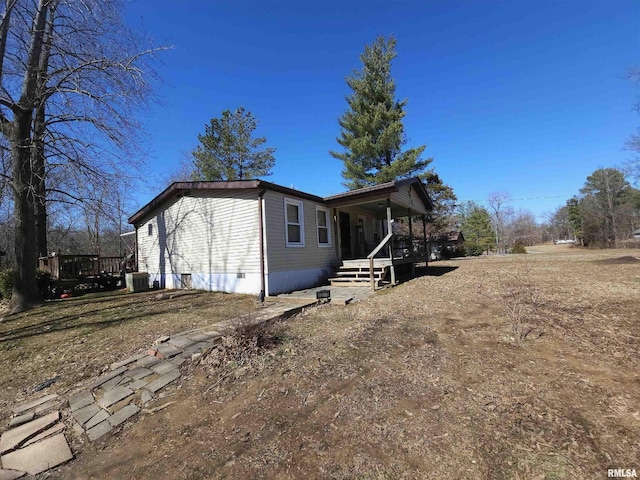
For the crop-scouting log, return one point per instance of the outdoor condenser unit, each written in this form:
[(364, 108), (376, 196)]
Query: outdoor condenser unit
[(137, 281)]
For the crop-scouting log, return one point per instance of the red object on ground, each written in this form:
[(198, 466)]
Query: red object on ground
[(65, 295)]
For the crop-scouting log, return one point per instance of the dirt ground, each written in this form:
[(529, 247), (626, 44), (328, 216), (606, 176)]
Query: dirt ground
[(521, 366)]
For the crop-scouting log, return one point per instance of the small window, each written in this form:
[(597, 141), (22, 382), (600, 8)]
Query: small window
[(324, 227), (294, 216), (150, 229)]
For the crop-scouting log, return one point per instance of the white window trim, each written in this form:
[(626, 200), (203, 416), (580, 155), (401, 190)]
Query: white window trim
[(299, 204), (328, 227)]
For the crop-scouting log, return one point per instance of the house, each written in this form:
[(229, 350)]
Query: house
[(257, 237), (448, 244)]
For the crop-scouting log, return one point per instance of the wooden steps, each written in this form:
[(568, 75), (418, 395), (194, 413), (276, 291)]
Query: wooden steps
[(356, 273)]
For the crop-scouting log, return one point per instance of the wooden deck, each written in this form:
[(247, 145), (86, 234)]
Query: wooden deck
[(90, 271)]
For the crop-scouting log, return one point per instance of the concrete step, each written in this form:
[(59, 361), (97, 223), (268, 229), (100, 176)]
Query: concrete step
[(345, 282)]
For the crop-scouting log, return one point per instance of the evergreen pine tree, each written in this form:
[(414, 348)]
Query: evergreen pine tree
[(372, 132), (229, 151)]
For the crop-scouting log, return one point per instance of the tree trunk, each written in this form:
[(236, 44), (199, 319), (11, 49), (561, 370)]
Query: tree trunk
[(39, 130), (25, 286), (40, 205)]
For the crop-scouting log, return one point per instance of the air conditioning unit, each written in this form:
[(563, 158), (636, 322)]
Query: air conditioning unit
[(137, 281)]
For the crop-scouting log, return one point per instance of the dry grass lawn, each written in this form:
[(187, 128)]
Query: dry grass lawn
[(523, 367), (72, 340)]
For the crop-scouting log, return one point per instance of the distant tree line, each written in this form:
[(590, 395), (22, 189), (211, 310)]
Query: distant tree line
[(603, 214), (498, 228)]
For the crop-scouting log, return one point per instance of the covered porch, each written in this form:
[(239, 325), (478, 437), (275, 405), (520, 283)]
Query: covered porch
[(376, 231)]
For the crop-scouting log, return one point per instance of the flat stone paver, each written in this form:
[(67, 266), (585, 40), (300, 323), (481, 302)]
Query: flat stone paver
[(191, 349), (163, 367), (96, 419), (179, 360), (99, 430), (137, 373), (111, 383), (181, 342), (106, 377), (10, 474), (114, 396), (203, 337), (20, 419), (138, 384), (80, 400), (14, 437), (127, 361), (28, 406), (50, 405), (123, 414), (85, 414), (146, 397), (161, 382), (148, 360), (39, 457), (57, 428), (167, 350)]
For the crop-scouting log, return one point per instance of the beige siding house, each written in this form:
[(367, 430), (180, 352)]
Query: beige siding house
[(257, 237)]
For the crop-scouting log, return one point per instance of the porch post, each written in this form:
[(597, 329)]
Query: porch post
[(410, 234), (390, 230), (424, 235), (338, 233), (413, 263)]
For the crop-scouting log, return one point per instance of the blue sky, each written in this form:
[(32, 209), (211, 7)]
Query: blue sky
[(518, 96)]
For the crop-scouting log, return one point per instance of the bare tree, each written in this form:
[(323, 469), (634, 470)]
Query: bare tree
[(71, 76), (524, 229), (633, 142), (500, 213)]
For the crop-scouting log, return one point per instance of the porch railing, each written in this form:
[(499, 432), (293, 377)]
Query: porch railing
[(381, 245), (400, 247)]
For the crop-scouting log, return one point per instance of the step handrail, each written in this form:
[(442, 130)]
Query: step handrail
[(375, 251)]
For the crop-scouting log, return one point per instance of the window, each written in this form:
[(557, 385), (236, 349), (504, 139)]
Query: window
[(294, 215), (324, 227), (150, 230)]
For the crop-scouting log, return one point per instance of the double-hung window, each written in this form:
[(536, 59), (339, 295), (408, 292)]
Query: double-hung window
[(324, 227), (294, 218)]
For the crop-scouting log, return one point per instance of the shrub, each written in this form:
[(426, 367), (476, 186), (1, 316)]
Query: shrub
[(473, 249), (6, 282), (518, 248)]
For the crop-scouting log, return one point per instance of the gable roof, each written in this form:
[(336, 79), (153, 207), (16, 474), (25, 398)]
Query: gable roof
[(177, 189), (452, 236), (389, 187), (181, 188)]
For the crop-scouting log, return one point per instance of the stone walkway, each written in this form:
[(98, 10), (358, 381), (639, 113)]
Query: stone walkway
[(35, 441)]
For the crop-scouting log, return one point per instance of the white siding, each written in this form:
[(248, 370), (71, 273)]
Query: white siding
[(212, 236)]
